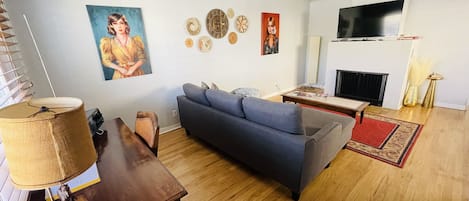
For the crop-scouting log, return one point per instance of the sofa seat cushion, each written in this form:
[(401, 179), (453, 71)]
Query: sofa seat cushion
[(225, 102), (280, 116), (195, 93)]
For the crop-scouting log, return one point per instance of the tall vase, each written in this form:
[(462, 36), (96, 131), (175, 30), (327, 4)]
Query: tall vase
[(411, 96)]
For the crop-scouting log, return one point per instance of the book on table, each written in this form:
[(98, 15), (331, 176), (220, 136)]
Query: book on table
[(87, 178)]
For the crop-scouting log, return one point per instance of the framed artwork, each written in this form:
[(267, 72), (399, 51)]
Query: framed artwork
[(270, 33), (120, 39)]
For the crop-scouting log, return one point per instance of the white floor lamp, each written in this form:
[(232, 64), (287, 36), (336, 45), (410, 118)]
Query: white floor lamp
[(39, 54)]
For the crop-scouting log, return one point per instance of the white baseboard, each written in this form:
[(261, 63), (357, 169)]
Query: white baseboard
[(451, 106), (467, 104), (170, 128), (318, 85)]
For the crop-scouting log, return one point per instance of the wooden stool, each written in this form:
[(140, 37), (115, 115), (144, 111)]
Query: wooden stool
[(147, 128)]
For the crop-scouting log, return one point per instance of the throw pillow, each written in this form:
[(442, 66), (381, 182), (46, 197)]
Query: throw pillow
[(214, 86), (204, 85), (247, 92)]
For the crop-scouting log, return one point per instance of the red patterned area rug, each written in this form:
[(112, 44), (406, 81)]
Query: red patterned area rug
[(385, 139)]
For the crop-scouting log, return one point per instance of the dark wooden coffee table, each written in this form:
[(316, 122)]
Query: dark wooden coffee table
[(342, 105)]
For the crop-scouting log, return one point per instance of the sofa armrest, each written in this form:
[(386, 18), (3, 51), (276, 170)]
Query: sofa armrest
[(322, 132), (320, 148), (317, 119)]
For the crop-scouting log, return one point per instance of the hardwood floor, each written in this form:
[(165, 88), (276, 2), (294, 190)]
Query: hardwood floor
[(437, 168)]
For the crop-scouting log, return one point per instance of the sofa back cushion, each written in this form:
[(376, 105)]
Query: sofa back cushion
[(225, 102), (195, 93), (281, 116)]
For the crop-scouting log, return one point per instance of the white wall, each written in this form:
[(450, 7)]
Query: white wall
[(65, 39), (444, 28), (441, 24)]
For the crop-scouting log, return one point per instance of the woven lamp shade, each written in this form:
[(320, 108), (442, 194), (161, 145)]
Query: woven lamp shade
[(48, 148)]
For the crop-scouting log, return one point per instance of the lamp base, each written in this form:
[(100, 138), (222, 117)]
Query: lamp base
[(64, 193)]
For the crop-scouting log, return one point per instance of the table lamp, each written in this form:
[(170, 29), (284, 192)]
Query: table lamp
[(47, 143)]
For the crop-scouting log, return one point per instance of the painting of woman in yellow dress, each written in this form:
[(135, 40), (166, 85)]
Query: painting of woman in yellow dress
[(122, 55)]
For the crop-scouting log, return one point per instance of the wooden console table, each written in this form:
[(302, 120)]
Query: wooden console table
[(342, 105), (128, 170)]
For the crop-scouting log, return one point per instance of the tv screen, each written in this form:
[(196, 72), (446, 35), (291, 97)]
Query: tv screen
[(373, 20)]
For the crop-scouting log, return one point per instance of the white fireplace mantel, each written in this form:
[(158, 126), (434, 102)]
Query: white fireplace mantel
[(391, 56)]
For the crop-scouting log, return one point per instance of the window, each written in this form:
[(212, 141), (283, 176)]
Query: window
[(15, 86)]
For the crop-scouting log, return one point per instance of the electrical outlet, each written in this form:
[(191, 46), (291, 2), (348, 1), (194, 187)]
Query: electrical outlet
[(175, 113)]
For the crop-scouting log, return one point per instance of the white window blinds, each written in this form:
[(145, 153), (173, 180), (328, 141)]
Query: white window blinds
[(15, 86)]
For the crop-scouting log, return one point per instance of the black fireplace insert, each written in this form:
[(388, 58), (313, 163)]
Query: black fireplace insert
[(364, 86)]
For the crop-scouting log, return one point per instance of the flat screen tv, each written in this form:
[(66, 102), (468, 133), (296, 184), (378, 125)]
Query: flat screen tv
[(372, 20)]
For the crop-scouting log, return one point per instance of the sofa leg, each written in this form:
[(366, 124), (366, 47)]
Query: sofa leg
[(328, 165), (187, 132), (295, 196), (345, 146)]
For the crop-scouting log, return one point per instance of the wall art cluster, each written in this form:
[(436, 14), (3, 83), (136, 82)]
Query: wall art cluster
[(217, 24)]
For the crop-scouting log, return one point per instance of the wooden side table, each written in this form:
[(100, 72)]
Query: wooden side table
[(430, 94)]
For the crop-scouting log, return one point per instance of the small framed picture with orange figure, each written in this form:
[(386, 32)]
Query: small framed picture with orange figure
[(270, 33)]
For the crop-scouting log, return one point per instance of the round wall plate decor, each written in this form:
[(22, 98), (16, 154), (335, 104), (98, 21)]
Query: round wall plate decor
[(193, 26), (232, 38), (189, 42), (205, 44), (217, 23), (242, 23), (230, 13)]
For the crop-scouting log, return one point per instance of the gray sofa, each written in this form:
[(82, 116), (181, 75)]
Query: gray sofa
[(284, 141)]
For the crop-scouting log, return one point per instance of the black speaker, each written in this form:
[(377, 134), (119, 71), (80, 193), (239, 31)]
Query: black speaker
[(95, 120)]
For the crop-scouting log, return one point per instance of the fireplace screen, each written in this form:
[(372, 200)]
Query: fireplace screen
[(363, 86)]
